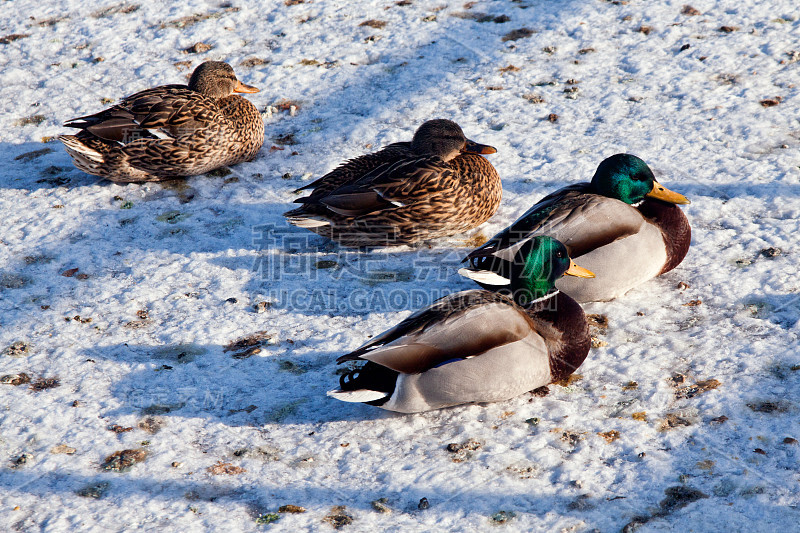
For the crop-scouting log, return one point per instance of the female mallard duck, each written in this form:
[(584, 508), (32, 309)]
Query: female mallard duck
[(477, 346), (434, 186), (170, 131), (624, 226)]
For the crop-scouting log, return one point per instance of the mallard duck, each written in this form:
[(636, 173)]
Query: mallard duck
[(624, 226), (477, 345), (434, 186), (170, 131)]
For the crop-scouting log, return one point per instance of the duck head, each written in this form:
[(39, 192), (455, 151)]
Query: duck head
[(628, 178), (216, 80), (444, 138), (544, 260)]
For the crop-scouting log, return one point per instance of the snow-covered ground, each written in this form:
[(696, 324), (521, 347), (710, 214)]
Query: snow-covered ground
[(130, 295)]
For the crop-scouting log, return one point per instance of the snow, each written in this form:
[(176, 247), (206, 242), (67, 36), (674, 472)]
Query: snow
[(180, 251)]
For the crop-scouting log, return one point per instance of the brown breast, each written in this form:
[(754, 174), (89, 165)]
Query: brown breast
[(479, 189), (674, 226), (245, 131), (562, 323)]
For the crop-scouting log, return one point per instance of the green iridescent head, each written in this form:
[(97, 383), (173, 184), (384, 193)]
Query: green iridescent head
[(627, 178), (542, 261), (624, 177)]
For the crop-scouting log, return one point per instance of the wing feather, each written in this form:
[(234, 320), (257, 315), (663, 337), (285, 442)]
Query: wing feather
[(388, 186), (458, 326), (353, 169), (582, 220), (173, 110)]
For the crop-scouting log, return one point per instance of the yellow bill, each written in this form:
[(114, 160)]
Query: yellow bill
[(659, 192), (578, 271)]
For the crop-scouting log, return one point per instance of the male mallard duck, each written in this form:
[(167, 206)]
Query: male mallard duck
[(434, 186), (477, 346), (170, 131), (624, 226)]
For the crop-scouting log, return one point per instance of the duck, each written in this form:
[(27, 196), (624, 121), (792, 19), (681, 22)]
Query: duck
[(624, 226), (435, 186), (477, 345), (170, 131)]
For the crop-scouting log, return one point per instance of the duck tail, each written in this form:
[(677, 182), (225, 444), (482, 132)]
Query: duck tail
[(85, 158), (306, 221), (81, 123), (485, 277), (358, 396), (372, 384)]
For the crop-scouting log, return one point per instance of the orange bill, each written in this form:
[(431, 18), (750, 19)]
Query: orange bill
[(474, 148), (659, 192), (578, 271), (244, 88)]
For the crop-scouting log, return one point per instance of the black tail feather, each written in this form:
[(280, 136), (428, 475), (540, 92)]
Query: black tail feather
[(371, 376)]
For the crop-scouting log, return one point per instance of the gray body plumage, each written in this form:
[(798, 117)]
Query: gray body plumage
[(473, 346), (607, 236)]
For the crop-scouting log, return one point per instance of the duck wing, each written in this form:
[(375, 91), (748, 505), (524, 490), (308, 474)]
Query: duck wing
[(165, 112), (389, 186), (458, 326), (353, 169), (580, 219)]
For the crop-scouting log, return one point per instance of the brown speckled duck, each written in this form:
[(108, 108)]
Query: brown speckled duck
[(477, 346), (170, 131), (437, 185)]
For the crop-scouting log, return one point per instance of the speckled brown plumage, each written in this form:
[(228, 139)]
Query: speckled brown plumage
[(357, 167), (400, 196), (170, 131)]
